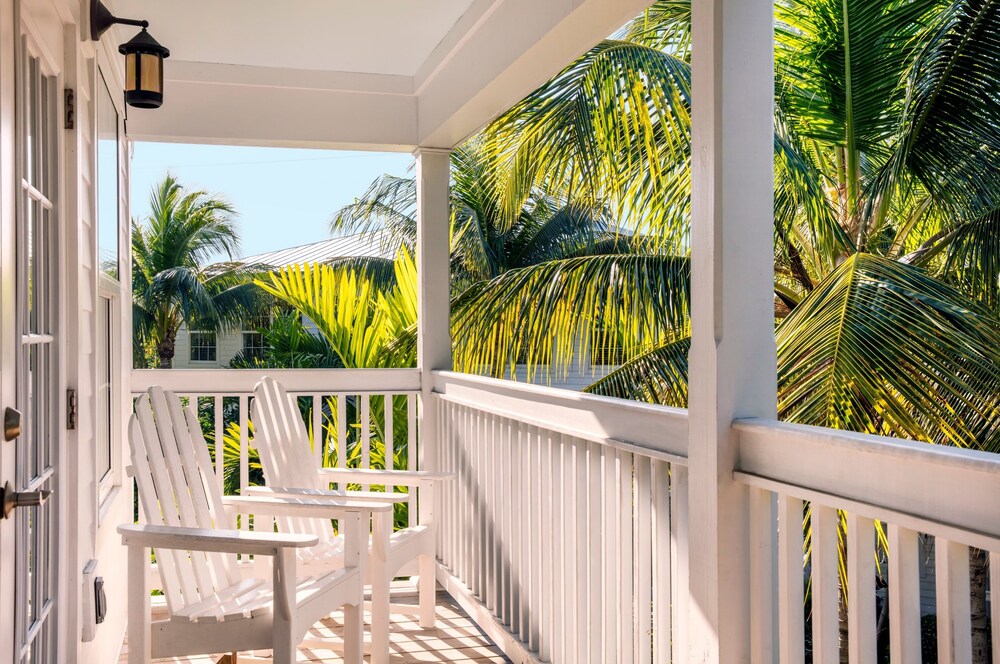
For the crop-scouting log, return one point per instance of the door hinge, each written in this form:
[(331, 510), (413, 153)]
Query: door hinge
[(71, 409), (70, 98)]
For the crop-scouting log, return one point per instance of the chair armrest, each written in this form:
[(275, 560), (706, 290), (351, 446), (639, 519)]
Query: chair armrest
[(218, 541), (318, 508), (320, 494), (394, 477)]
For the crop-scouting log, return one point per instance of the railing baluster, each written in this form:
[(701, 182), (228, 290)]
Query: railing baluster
[(626, 613), (506, 479), (558, 549), (609, 505), (317, 427), (244, 442), (546, 511), (220, 433), (570, 580), (762, 579), (500, 500), (904, 595), (662, 586), (679, 553), (411, 451), (388, 439), (862, 644), (365, 418), (954, 627), (644, 562), (536, 535), (341, 451), (791, 614), (482, 424), (825, 586), (994, 573), (524, 536)]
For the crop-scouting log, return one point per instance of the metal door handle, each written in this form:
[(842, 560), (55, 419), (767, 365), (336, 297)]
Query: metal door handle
[(11, 424), (9, 499)]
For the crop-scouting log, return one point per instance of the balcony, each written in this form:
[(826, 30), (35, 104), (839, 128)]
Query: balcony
[(567, 535)]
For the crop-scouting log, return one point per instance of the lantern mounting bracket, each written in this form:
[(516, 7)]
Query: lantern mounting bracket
[(101, 19)]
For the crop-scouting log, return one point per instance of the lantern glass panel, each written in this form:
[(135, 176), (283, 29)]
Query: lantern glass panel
[(150, 73), (130, 63)]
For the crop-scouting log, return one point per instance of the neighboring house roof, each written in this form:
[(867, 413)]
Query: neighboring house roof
[(368, 244)]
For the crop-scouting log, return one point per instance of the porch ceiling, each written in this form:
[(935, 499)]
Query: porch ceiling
[(358, 74)]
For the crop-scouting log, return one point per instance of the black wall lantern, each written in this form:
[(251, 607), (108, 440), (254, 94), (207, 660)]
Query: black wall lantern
[(143, 57)]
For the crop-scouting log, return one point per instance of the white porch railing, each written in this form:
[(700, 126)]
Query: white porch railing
[(903, 488), (568, 519), (565, 534), (343, 405)]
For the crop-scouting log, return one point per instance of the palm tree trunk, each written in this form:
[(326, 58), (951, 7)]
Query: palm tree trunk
[(165, 349), (980, 616)]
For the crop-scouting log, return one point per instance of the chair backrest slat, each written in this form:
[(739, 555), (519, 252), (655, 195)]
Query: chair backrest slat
[(205, 474), (171, 440), (176, 491), (165, 560), (282, 443), (165, 509)]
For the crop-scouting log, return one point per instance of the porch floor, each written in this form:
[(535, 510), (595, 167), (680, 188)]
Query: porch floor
[(455, 639)]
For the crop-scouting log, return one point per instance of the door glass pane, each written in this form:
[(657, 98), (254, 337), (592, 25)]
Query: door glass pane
[(104, 377), (107, 181), (36, 450)]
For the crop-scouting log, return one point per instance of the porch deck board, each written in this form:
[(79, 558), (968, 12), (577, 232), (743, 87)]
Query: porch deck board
[(455, 639)]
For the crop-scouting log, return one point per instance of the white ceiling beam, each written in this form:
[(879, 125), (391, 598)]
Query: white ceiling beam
[(246, 105), (516, 46)]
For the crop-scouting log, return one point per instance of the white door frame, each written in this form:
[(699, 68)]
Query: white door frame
[(40, 27), (8, 308)]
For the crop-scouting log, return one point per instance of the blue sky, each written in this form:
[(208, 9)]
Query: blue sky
[(284, 197)]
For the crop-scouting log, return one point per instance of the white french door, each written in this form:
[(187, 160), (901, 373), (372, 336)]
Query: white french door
[(36, 452)]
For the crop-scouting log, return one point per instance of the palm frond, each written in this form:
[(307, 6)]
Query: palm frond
[(554, 313), (973, 259), (614, 127), (666, 25), (947, 132), (882, 347), (659, 376)]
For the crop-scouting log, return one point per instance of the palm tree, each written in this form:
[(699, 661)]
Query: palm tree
[(887, 216), (886, 263), (486, 241), (171, 283)]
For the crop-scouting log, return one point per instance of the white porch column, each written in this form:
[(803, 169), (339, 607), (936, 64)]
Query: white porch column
[(434, 281), (732, 362)]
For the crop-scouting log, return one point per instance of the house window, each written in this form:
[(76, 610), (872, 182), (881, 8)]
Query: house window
[(108, 193), (108, 209), (253, 345), (203, 346)]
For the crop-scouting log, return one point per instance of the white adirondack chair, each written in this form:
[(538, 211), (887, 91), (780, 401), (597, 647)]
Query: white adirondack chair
[(290, 469), (212, 608)]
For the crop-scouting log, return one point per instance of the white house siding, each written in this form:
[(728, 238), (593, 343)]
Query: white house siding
[(227, 346), (86, 528)]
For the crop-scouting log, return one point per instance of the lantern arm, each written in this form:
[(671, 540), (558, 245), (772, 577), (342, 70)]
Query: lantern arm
[(101, 19)]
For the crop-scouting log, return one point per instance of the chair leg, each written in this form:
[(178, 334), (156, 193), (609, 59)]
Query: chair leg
[(284, 608), (380, 582), (284, 645), (427, 590), (139, 628), (354, 634)]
